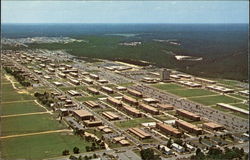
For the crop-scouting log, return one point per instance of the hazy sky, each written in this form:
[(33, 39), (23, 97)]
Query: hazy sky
[(125, 12)]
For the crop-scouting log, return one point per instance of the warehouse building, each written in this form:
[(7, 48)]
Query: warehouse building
[(82, 114), (220, 89), (212, 126), (149, 109), (74, 81), (131, 111), (165, 107), (202, 80), (111, 116), (233, 108), (93, 90), (139, 133), (62, 75), (189, 84), (88, 81), (150, 100), (92, 104), (94, 76), (74, 93), (107, 90), (102, 81), (114, 101), (92, 123), (134, 93), (130, 100), (188, 114), (188, 127), (169, 130), (121, 88)]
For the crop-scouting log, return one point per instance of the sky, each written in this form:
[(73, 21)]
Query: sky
[(125, 11)]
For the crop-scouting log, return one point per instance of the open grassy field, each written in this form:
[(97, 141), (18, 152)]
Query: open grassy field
[(239, 96), (168, 86), (163, 117), (132, 123), (20, 108), (191, 92), (29, 124), (40, 146), (212, 100)]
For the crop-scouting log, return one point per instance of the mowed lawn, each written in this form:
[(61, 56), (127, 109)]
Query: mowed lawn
[(29, 124), (40, 146), (191, 92), (132, 123), (20, 108), (168, 86), (213, 100)]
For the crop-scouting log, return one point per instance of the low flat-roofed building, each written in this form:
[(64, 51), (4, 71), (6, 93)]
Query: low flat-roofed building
[(130, 100), (124, 142), (92, 123), (74, 81), (93, 90), (173, 76), (233, 108), (74, 93), (92, 104), (220, 89), (63, 112), (38, 72), (111, 116), (131, 111), (245, 92), (134, 93), (169, 130), (73, 74), (102, 81), (149, 109), (62, 75), (47, 77), (202, 80), (165, 149), (139, 133), (51, 69), (114, 101), (177, 147), (212, 126), (188, 114), (149, 80), (85, 73), (88, 81), (42, 65), (189, 84), (70, 105), (94, 76), (165, 106), (107, 89), (185, 76), (82, 114), (68, 101), (61, 98), (150, 100), (188, 127), (57, 83), (121, 88)]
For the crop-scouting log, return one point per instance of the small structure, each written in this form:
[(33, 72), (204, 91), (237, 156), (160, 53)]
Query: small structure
[(93, 90), (134, 93), (177, 148), (212, 126), (92, 104), (111, 116)]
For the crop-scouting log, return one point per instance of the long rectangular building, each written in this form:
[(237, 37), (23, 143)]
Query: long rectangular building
[(114, 101), (134, 93), (212, 126), (188, 114), (168, 129), (233, 108), (140, 133), (165, 107), (111, 116), (82, 114), (107, 89), (220, 89), (188, 127), (92, 90), (149, 109), (131, 111), (130, 100), (92, 104)]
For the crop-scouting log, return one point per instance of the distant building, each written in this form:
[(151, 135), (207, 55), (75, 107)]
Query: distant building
[(165, 75)]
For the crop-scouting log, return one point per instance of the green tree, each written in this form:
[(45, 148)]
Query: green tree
[(65, 152), (76, 150)]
